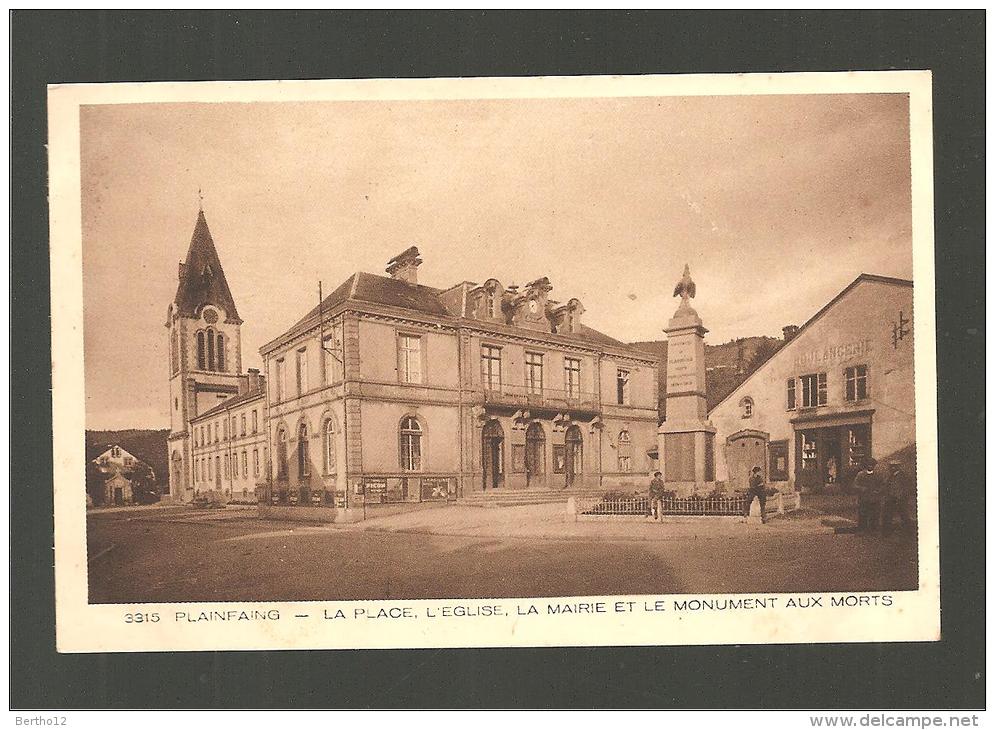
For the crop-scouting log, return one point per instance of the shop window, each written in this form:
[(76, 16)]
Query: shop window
[(814, 390), (856, 382), (778, 470), (810, 452), (411, 446)]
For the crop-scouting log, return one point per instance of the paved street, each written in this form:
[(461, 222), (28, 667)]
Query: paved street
[(178, 554)]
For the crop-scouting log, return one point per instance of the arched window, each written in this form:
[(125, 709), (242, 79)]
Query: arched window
[(329, 450), (303, 460), (210, 349), (221, 352), (411, 434), (281, 454), (624, 451), (201, 351), (746, 407)]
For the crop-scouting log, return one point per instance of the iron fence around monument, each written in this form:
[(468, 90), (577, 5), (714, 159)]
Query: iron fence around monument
[(638, 505)]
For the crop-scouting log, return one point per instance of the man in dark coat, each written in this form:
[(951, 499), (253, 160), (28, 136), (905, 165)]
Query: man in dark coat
[(657, 488), (870, 490), (898, 497), (758, 489)]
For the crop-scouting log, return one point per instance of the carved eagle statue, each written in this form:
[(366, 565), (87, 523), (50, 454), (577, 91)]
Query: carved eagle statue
[(685, 287)]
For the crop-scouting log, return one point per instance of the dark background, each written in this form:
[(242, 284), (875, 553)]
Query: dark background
[(94, 46)]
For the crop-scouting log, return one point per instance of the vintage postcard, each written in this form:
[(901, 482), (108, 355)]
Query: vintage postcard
[(494, 362)]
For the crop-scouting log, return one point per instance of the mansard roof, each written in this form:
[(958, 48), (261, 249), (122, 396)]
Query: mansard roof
[(363, 287), (202, 280)]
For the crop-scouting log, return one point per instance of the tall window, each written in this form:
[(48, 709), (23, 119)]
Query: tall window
[(624, 451), (216, 438), (814, 390), (282, 467), (411, 434), (571, 376), (490, 367), (533, 372), (303, 457), (791, 394), (493, 304), (332, 355), (210, 349), (221, 352), (227, 466), (302, 371), (226, 429), (242, 430), (622, 387), (329, 450), (280, 390), (245, 464), (201, 351), (409, 357), (856, 382), (202, 441), (255, 421), (175, 350), (255, 462)]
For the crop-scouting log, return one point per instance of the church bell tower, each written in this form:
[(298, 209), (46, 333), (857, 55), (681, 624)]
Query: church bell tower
[(205, 351)]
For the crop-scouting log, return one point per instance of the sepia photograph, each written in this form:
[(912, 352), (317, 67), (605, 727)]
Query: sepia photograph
[(472, 340)]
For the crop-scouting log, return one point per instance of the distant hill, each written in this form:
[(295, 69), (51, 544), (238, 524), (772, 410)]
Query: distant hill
[(726, 365), (149, 445)]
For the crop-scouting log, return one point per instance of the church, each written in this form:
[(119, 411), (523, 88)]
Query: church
[(217, 438)]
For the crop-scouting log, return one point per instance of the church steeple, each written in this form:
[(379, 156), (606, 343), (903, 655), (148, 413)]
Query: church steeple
[(202, 280)]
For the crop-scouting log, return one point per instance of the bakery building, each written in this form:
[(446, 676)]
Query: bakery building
[(391, 391), (839, 390)]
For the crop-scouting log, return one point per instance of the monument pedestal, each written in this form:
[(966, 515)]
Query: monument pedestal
[(686, 440)]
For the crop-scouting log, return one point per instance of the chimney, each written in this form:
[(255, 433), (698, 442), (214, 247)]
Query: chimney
[(789, 332), (254, 380), (405, 265)]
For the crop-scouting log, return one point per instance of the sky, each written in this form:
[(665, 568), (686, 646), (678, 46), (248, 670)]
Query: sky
[(775, 202)]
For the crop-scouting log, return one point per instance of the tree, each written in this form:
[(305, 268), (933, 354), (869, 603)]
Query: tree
[(765, 350), (95, 483), (143, 486)]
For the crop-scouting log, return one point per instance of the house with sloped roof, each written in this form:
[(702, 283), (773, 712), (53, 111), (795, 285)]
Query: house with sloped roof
[(390, 391)]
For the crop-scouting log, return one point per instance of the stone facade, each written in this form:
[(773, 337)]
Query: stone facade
[(423, 394)]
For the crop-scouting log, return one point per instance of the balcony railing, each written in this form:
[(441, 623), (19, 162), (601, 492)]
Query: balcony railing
[(522, 396)]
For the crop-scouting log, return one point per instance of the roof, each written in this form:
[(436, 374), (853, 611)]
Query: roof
[(202, 279), (374, 289), (227, 405), (817, 316)]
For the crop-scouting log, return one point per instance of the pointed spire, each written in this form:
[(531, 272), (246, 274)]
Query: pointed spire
[(202, 280)]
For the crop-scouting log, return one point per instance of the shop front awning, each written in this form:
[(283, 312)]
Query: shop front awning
[(830, 420)]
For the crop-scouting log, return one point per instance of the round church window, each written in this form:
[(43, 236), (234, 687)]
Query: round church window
[(210, 316)]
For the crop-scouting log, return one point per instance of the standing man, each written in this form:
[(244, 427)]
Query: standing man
[(870, 493), (898, 493), (758, 489), (657, 488)]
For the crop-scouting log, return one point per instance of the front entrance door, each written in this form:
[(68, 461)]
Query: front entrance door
[(574, 454), (535, 454), (118, 496), (745, 450), (492, 455)]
